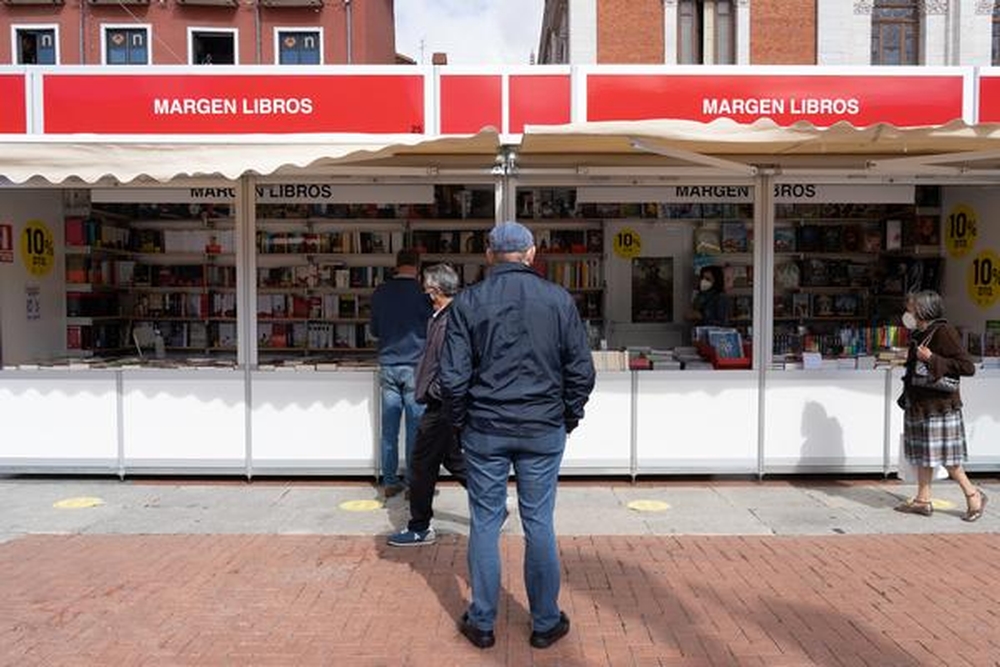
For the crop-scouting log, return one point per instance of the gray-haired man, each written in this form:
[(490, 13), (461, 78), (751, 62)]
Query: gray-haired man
[(436, 443)]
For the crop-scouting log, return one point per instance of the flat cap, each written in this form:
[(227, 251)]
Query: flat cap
[(510, 236)]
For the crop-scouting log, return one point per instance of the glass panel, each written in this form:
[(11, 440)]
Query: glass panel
[(725, 33), (298, 48), (689, 33), (36, 47)]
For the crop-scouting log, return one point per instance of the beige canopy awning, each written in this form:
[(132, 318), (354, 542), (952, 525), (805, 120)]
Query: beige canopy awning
[(92, 159), (727, 147), (723, 148)]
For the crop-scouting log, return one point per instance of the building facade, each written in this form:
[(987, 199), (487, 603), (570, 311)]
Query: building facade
[(771, 32), (196, 32)]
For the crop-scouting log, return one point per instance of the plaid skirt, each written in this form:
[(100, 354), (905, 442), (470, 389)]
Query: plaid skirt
[(934, 440)]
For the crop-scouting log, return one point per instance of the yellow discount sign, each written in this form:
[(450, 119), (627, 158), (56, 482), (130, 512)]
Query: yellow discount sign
[(37, 248), (961, 230), (627, 243), (982, 279)]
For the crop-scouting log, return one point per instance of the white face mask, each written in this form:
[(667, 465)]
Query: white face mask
[(705, 284), (909, 321)]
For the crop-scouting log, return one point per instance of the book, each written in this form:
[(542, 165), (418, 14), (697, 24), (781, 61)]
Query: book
[(707, 241), (832, 238), (800, 305), (784, 239), (810, 238), (728, 343), (822, 305), (734, 236), (893, 234)]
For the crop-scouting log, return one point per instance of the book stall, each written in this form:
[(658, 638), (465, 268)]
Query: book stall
[(182, 299)]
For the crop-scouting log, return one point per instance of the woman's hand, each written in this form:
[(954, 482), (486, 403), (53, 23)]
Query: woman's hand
[(924, 353)]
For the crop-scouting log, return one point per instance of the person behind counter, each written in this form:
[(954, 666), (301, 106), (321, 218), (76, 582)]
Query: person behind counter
[(710, 306)]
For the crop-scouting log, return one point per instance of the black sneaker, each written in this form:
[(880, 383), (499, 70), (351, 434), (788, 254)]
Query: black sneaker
[(550, 637), (479, 638)]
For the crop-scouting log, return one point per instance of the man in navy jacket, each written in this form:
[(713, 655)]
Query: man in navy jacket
[(515, 372)]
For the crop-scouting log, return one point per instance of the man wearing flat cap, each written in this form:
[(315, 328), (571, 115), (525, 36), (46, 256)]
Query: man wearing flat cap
[(516, 370)]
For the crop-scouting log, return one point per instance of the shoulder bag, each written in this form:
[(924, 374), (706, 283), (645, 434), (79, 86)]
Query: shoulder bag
[(922, 375)]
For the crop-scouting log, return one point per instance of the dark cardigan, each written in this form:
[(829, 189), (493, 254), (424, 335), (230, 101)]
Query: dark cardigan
[(949, 358)]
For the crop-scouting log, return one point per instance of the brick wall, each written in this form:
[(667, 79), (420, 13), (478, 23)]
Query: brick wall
[(783, 32), (630, 31)]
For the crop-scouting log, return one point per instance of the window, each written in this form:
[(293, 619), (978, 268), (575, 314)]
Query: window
[(895, 32), (995, 59), (126, 46), (36, 46), (299, 47), (706, 32), (212, 47)]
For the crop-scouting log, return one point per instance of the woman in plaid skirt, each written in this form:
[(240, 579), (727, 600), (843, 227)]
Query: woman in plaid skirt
[(933, 431)]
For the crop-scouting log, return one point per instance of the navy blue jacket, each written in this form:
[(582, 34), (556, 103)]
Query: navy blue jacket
[(515, 359), (400, 310)]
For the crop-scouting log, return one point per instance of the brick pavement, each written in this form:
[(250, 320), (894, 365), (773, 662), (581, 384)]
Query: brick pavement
[(692, 601)]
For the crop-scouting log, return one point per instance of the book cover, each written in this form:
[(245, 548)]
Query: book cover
[(810, 238), (922, 230), (893, 234), (707, 241), (871, 239), (822, 305), (786, 276), (800, 305), (851, 238), (832, 238), (813, 273), (734, 236), (784, 239), (727, 343), (846, 305)]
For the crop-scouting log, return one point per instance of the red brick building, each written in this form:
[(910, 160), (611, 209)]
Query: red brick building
[(685, 32), (185, 32)]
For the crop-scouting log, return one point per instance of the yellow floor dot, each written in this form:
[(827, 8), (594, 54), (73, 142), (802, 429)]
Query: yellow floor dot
[(648, 505), (939, 504), (360, 505), (80, 502)]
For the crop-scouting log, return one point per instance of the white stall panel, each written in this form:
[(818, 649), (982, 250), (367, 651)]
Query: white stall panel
[(314, 422), (184, 419), (602, 442), (58, 420), (697, 421), (825, 421), (981, 412)]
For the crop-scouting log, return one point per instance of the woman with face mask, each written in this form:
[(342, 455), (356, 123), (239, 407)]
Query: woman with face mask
[(710, 306), (933, 430)]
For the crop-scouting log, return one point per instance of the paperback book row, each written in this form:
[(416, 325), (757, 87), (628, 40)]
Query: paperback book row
[(343, 242), (800, 305), (846, 341), (571, 274), (185, 335), (97, 337), (316, 276), (181, 304), (314, 336), (82, 232), (314, 307), (88, 270)]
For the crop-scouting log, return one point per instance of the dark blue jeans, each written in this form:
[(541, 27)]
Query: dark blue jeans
[(536, 463), (397, 384)]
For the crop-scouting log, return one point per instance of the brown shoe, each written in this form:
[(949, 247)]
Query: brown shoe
[(975, 514), (914, 506)]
